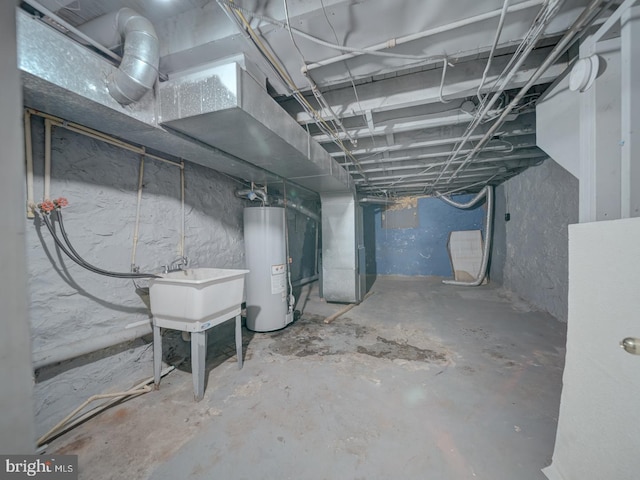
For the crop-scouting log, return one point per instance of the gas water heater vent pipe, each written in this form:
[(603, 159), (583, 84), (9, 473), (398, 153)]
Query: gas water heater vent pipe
[(488, 233), (253, 194), (138, 70)]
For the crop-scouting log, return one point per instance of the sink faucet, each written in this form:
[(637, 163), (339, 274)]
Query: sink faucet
[(179, 263)]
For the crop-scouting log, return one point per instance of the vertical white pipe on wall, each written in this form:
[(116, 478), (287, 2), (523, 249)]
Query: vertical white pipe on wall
[(28, 152), (136, 228), (182, 231), (47, 159)]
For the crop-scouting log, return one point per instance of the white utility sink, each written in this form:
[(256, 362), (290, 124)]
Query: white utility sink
[(194, 300)]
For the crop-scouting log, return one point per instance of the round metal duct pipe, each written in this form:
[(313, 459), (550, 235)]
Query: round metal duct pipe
[(139, 67)]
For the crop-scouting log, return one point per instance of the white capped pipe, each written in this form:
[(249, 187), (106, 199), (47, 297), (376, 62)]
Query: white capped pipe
[(47, 159), (136, 227), (28, 153), (182, 233)]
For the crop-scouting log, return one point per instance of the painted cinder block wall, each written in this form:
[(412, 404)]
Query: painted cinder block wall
[(530, 251), (419, 251), (69, 306)]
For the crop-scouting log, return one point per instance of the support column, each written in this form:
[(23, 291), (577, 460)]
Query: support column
[(600, 136), (630, 91), (17, 431)]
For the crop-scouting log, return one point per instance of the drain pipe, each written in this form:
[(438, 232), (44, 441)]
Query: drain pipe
[(488, 233), (138, 70)]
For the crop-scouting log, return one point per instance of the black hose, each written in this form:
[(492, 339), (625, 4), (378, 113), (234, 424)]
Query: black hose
[(93, 267), (78, 259)]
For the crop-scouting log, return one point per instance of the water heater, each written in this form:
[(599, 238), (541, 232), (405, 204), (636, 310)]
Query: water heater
[(266, 260)]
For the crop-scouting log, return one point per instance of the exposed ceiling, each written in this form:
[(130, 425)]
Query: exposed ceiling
[(398, 123)]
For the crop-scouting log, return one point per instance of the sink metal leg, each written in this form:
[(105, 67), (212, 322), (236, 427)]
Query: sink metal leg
[(198, 358), (239, 339), (157, 356)]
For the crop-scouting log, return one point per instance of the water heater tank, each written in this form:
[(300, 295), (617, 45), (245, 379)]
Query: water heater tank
[(266, 260)]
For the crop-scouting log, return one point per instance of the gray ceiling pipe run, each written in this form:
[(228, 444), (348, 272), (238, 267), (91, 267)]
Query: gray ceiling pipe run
[(297, 207), (488, 233), (138, 70), (377, 201)]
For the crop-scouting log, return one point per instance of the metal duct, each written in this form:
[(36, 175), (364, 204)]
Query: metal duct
[(220, 118), (225, 106), (138, 70)]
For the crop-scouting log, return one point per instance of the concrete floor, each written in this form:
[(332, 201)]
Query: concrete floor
[(421, 380)]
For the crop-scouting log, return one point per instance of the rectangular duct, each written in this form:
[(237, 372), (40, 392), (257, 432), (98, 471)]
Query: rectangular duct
[(220, 118), (226, 107)]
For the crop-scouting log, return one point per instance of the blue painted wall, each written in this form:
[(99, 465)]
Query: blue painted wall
[(421, 250)]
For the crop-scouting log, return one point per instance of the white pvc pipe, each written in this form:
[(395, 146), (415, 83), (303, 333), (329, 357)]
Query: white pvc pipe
[(427, 33), (47, 159), (136, 228), (28, 152), (89, 132), (488, 234), (182, 233), (496, 39)]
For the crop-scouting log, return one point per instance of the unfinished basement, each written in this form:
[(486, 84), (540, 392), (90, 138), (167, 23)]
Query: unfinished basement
[(320, 239)]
